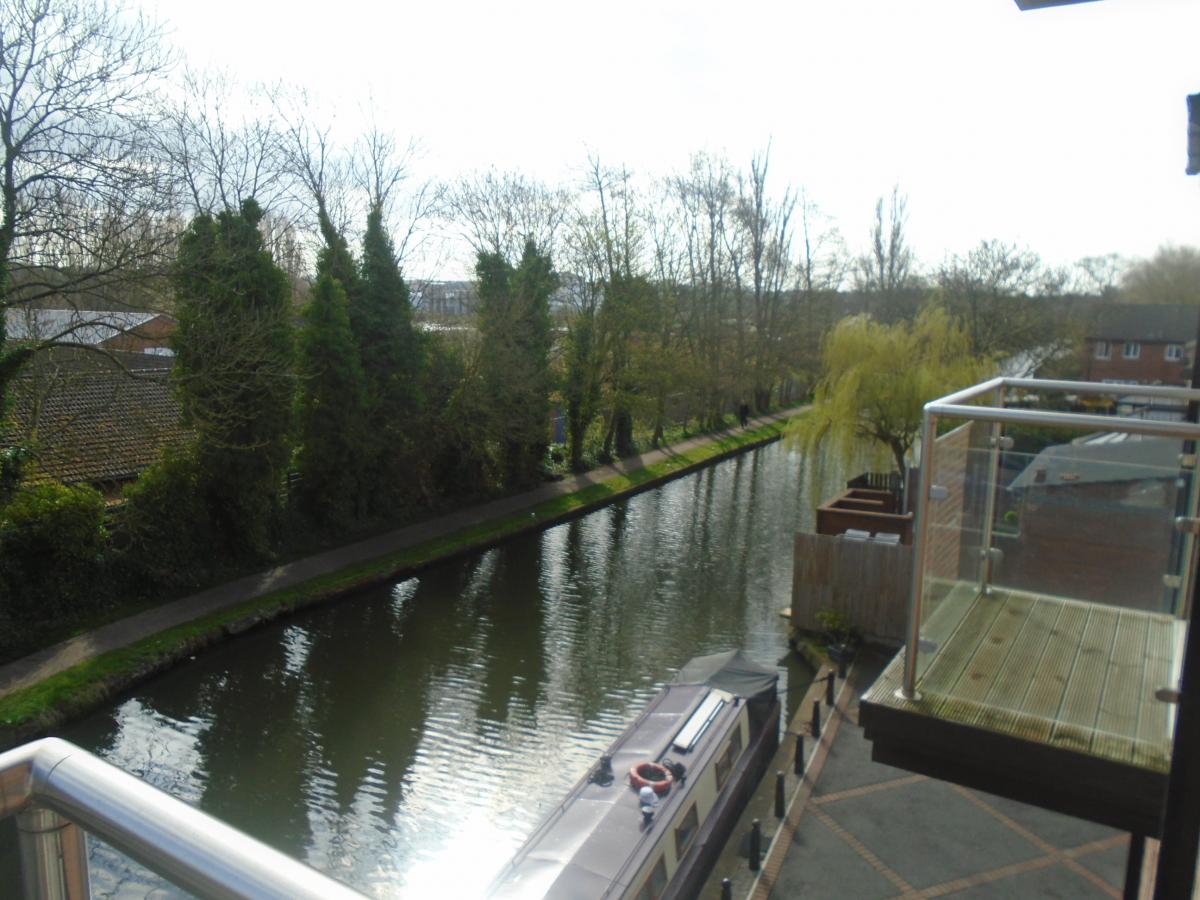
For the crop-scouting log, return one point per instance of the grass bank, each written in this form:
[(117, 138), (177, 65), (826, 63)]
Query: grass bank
[(27, 712)]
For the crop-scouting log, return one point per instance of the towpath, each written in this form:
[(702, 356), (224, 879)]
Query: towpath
[(30, 670)]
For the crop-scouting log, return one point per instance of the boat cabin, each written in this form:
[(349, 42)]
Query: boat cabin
[(721, 724)]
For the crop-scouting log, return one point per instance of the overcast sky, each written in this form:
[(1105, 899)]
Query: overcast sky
[(1063, 129)]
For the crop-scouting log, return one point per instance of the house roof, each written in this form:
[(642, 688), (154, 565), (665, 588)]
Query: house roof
[(91, 421), (74, 326), (1170, 323), (1100, 458)]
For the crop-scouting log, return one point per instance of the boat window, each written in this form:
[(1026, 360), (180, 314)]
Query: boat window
[(656, 883), (685, 831), (728, 756)]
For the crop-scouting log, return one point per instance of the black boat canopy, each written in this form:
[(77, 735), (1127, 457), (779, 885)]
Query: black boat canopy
[(730, 671)]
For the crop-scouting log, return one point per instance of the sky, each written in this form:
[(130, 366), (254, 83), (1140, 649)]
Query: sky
[(1062, 130)]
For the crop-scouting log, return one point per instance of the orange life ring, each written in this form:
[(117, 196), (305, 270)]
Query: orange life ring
[(650, 774)]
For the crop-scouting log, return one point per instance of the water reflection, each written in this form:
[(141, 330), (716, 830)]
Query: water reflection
[(411, 737)]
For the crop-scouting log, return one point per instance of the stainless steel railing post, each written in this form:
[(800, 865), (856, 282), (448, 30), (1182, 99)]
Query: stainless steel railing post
[(991, 484), (908, 689), (54, 863)]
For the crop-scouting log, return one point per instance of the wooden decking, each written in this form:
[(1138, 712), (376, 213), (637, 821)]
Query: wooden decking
[(1034, 687)]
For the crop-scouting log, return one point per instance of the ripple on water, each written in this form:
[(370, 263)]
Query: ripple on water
[(409, 739)]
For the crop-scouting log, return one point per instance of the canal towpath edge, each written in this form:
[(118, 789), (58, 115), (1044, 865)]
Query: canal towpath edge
[(36, 668)]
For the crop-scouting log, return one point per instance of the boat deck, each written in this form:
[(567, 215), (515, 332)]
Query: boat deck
[(1059, 681)]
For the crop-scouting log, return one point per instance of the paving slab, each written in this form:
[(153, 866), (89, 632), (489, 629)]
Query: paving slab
[(867, 830), (929, 834), (838, 871)]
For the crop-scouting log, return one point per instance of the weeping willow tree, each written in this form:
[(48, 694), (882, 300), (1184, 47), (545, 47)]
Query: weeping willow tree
[(877, 378)]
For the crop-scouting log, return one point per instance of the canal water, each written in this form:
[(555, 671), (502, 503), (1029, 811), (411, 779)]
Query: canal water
[(406, 740)]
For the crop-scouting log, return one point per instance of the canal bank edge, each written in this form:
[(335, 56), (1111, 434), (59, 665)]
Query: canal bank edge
[(32, 709)]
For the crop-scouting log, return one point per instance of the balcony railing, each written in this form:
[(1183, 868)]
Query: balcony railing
[(58, 792), (1052, 556)]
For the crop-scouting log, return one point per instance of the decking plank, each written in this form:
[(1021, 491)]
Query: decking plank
[(1053, 670), (955, 652), (1117, 723), (1006, 700), (1076, 720), (1049, 680), (1152, 749)]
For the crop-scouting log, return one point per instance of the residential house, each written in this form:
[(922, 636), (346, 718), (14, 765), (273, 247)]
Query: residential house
[(91, 419), (1141, 343), (141, 332)]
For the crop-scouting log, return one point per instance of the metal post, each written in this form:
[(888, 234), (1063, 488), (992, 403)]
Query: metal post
[(1189, 548), (780, 801), (829, 690), (755, 845), (53, 856), (1133, 866), (1175, 876), (908, 690), (726, 889), (798, 762), (991, 482), (816, 720)]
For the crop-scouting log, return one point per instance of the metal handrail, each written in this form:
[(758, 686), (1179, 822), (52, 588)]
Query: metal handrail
[(56, 788), (954, 406)]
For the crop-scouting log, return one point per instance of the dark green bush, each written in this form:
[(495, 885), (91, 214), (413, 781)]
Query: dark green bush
[(52, 543), (164, 534)]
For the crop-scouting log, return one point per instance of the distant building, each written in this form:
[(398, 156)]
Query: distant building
[(139, 332), (90, 421), (1141, 344)]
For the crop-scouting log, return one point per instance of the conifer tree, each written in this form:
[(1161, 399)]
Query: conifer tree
[(233, 372), (394, 360), (515, 358), (331, 408)]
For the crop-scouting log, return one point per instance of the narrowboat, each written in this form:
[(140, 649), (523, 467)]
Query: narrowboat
[(650, 818)]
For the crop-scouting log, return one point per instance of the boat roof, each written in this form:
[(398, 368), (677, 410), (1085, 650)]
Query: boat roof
[(595, 840)]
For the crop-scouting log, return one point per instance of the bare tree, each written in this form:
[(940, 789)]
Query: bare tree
[(85, 219), (998, 293), (887, 268), (767, 226), (498, 211)]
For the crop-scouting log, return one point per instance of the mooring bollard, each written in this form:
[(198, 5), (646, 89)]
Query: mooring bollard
[(755, 844), (726, 889), (829, 690), (779, 798), (816, 720), (798, 762)]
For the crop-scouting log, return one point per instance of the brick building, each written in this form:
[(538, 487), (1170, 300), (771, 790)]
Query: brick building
[(1141, 344)]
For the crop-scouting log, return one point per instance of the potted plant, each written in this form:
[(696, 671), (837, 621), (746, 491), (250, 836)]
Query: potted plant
[(841, 637)]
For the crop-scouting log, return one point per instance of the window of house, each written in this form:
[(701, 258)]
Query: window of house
[(1174, 352), (656, 883), (1132, 350), (1103, 350), (685, 831)]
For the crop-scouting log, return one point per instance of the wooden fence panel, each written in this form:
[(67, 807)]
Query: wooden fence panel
[(866, 580)]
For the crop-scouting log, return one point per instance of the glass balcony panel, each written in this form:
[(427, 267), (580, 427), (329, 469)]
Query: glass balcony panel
[(1052, 585)]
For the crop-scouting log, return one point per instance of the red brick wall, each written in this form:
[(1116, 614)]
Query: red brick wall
[(1151, 366)]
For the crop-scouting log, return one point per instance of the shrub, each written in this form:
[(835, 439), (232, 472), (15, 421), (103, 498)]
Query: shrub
[(52, 543), (164, 534)]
